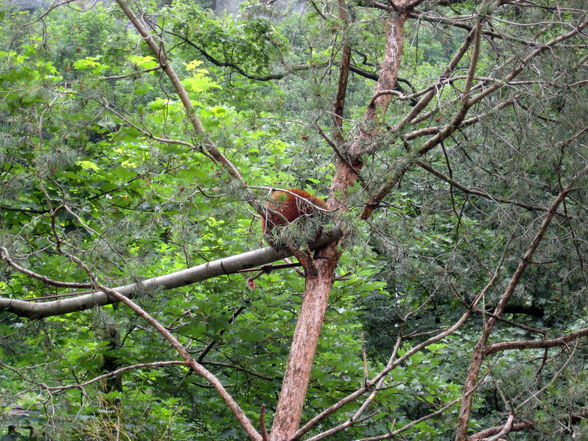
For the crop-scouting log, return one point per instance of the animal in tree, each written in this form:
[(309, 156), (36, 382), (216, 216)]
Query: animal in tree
[(285, 206)]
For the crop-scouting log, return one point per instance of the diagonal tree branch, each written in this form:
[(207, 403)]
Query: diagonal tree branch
[(395, 362), (480, 348), (535, 344), (207, 145), (480, 193), (458, 119), (193, 364), (228, 265)]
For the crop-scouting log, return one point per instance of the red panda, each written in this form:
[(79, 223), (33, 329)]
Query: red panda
[(284, 207)]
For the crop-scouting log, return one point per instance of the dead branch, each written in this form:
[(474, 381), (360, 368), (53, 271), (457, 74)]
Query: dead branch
[(535, 344), (478, 353)]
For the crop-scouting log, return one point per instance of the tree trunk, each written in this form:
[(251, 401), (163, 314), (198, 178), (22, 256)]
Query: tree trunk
[(318, 285), (306, 334)]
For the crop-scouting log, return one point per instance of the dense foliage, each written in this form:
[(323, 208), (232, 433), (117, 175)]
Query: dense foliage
[(101, 173)]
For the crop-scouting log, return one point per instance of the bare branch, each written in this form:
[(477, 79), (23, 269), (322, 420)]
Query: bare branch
[(149, 135), (432, 90), (393, 363), (478, 353), (535, 344), (228, 265), (130, 75), (357, 416), (516, 427), (207, 145), (523, 63), (480, 193), (506, 429), (155, 364), (555, 376), (394, 433), (191, 362), (458, 119), (6, 257), (196, 367), (235, 67)]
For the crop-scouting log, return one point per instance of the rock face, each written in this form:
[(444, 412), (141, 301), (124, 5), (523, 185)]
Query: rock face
[(231, 7), (220, 7), (28, 5)]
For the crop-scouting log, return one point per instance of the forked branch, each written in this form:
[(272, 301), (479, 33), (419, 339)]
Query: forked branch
[(478, 355)]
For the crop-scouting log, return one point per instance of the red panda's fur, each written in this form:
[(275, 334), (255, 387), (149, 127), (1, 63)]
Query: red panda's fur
[(285, 207)]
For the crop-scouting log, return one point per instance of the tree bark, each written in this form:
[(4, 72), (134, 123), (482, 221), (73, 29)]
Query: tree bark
[(318, 286), (302, 350), (229, 265), (479, 351)]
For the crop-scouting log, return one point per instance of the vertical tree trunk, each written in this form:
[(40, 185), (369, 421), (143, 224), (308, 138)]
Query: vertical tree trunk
[(347, 171), (306, 334), (111, 362), (318, 286)]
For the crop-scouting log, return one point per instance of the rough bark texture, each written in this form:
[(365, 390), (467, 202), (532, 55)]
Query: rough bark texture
[(343, 74), (291, 401), (479, 351), (228, 265), (347, 172), (306, 334)]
